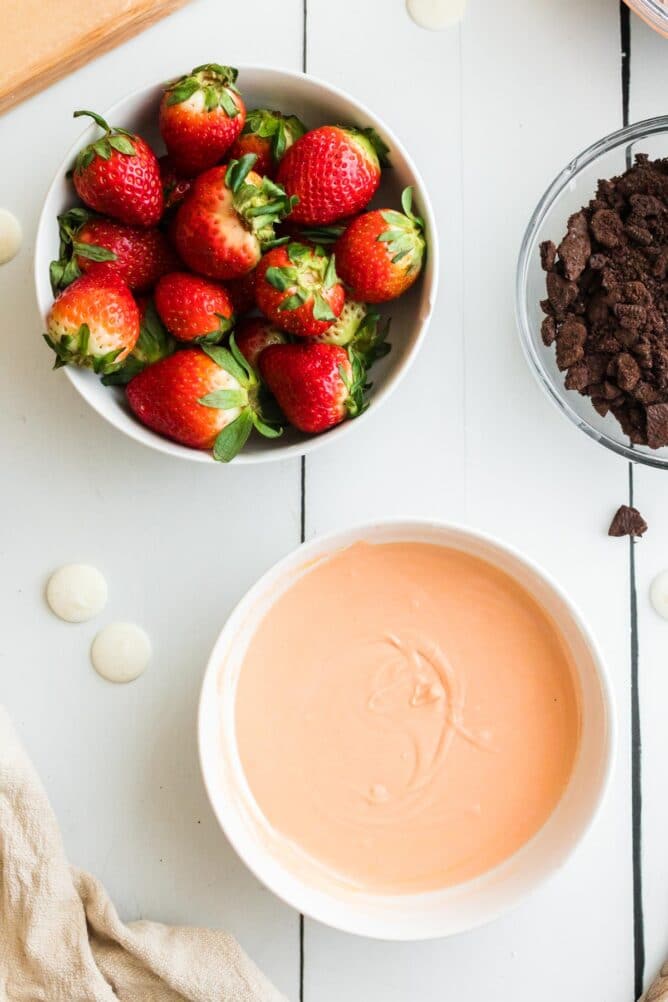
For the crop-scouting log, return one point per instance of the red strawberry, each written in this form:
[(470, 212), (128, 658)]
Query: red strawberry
[(201, 115), (204, 398), (90, 243), (193, 308), (226, 219), (316, 385), (380, 254), (333, 171), (254, 335), (175, 187), (118, 175), (268, 134), (94, 323), (242, 292), (298, 289)]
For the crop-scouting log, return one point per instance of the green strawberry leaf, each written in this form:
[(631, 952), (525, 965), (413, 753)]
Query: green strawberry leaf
[(241, 360), (297, 252), (232, 439), (331, 278), (228, 104), (122, 145), (321, 308), (224, 358), (93, 252), (292, 302), (269, 431), (281, 278), (183, 90), (323, 234), (238, 170), (102, 148), (224, 400)]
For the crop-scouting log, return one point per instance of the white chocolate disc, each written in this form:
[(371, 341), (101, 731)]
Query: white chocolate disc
[(10, 236), (658, 594), (76, 592), (120, 652), (436, 15)]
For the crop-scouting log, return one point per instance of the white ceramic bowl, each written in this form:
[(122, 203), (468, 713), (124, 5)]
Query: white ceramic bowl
[(316, 103), (411, 916)]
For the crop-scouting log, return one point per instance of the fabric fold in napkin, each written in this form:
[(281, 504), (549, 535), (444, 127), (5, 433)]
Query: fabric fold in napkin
[(61, 939)]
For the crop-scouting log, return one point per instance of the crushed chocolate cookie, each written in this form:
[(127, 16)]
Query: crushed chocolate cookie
[(606, 310), (627, 522)]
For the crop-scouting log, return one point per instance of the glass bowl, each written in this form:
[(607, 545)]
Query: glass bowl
[(572, 188), (654, 12)]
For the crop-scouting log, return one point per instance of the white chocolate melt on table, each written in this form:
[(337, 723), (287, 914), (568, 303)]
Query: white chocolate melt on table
[(10, 236), (407, 715), (436, 15)]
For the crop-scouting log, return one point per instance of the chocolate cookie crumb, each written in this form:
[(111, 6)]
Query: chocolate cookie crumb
[(627, 522), (607, 301)]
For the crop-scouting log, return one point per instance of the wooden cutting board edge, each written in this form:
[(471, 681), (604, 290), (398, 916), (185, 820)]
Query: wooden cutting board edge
[(93, 45)]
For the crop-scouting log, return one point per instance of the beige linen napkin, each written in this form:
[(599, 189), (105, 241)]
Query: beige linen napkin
[(61, 939)]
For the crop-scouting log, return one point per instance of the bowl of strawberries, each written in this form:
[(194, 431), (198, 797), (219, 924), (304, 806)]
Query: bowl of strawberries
[(236, 263)]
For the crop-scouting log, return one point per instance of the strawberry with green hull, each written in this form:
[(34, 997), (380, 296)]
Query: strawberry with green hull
[(93, 323), (317, 386), (193, 309), (227, 218), (267, 134), (175, 186), (205, 398), (380, 253), (252, 336), (93, 244), (361, 332), (298, 289), (201, 115), (118, 176), (154, 342), (343, 329), (333, 171)]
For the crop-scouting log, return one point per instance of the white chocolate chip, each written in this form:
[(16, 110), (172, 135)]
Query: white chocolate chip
[(76, 592), (10, 236), (658, 594), (120, 652), (436, 15)]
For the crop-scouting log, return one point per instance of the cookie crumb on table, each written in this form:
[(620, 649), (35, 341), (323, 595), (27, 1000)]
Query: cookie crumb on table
[(627, 521)]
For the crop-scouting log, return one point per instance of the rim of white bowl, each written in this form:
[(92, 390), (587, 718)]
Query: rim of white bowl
[(308, 445), (559, 395), (329, 543)]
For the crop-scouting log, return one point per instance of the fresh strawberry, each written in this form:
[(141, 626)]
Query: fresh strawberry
[(298, 289), (316, 385), (201, 115), (154, 343), (175, 187), (91, 243), (94, 323), (268, 134), (343, 329), (242, 292), (118, 176), (227, 218), (193, 308), (254, 335), (206, 398), (380, 254), (333, 171)]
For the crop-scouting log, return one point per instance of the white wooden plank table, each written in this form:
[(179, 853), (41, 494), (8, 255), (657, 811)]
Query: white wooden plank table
[(490, 112)]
